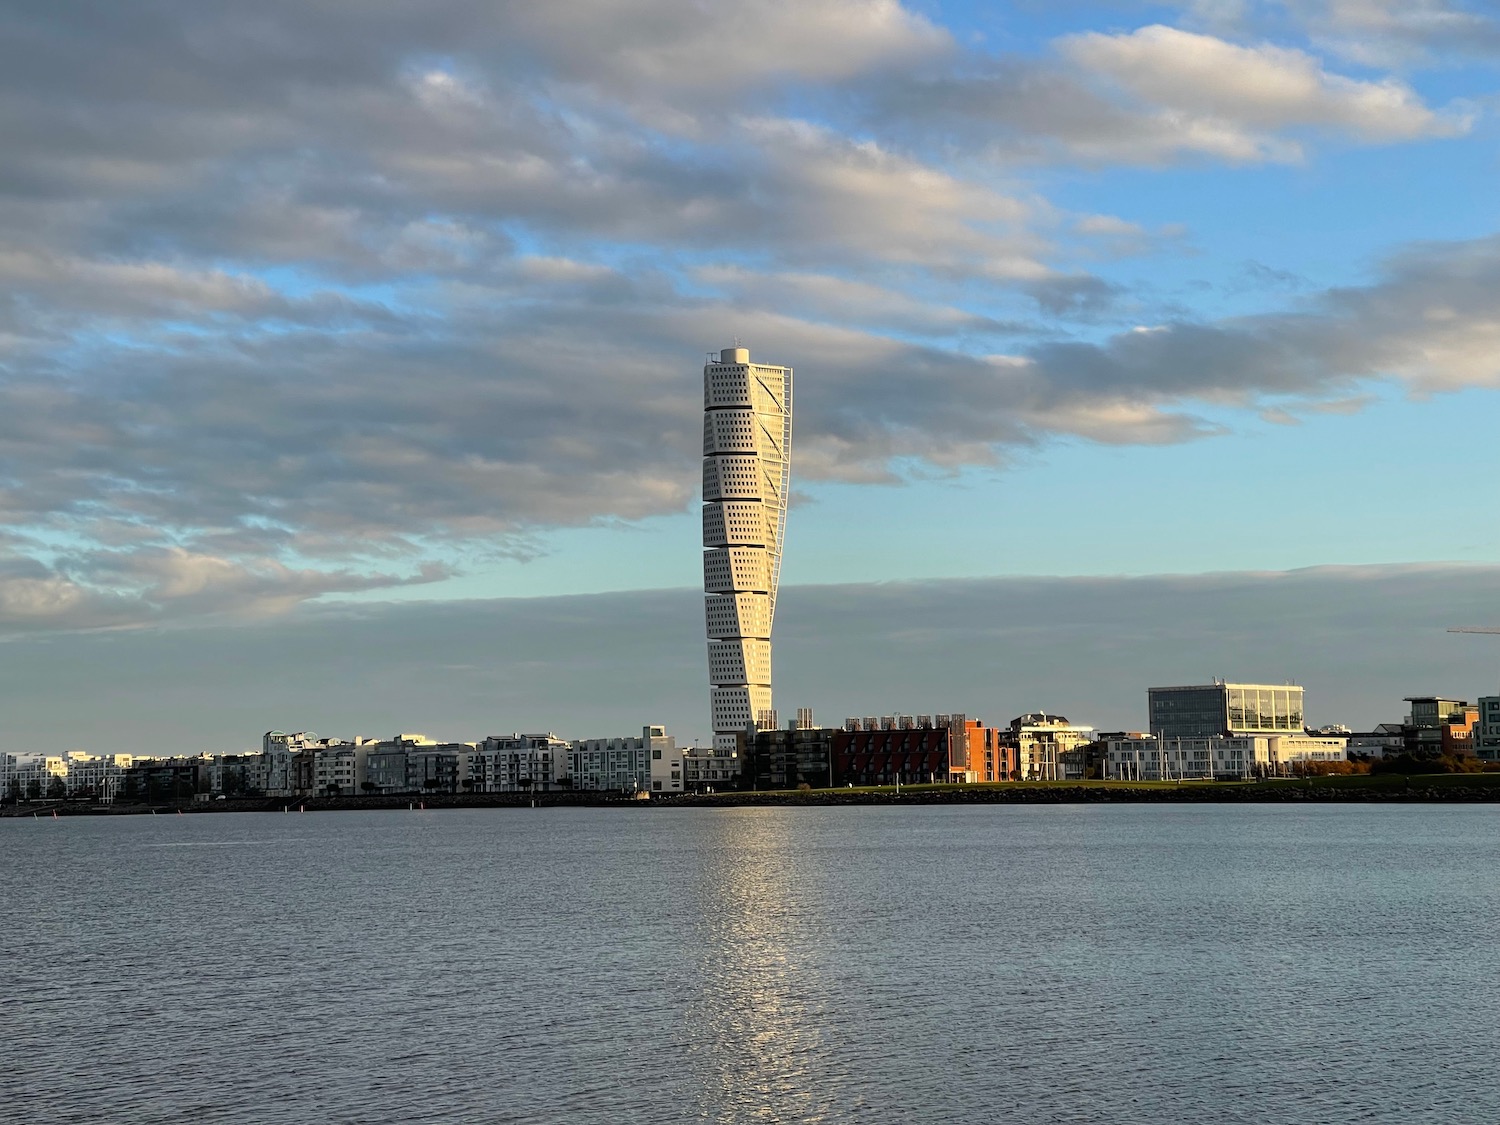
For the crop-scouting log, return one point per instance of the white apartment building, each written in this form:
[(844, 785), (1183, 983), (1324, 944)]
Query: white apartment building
[(34, 776), (513, 763), (747, 460), (628, 764), (276, 772), (1048, 747), (95, 778), (1149, 758), (335, 769)]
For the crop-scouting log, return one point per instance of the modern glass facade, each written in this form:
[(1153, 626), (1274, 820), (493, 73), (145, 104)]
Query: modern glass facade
[(1224, 710)]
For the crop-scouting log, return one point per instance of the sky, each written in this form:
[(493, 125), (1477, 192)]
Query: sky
[(335, 333)]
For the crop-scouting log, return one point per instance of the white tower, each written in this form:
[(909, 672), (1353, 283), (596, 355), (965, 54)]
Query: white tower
[(747, 463)]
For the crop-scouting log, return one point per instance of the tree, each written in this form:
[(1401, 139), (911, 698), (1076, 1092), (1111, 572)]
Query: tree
[(33, 789), (57, 789)]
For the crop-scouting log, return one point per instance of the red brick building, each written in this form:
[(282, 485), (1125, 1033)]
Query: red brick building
[(950, 748)]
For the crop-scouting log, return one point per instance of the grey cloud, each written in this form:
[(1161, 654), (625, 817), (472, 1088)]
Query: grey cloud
[(325, 283), (1397, 32), (1358, 638), (1155, 96), (565, 393), (1427, 322), (129, 589)]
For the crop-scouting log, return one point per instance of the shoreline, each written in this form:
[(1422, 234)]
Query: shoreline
[(1382, 788)]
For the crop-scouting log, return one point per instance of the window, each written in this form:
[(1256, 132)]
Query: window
[(656, 755)]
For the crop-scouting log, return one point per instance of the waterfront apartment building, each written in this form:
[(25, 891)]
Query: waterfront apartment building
[(1487, 729), (91, 778), (515, 763), (277, 772), (1047, 747), (29, 777), (1145, 757), (747, 450), (707, 769), (1225, 710), (629, 764), (787, 759)]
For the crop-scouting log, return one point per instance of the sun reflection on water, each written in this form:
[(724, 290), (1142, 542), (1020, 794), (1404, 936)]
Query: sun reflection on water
[(762, 1024)]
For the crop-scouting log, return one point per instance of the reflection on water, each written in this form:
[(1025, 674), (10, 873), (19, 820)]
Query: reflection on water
[(758, 1022), (1052, 964)]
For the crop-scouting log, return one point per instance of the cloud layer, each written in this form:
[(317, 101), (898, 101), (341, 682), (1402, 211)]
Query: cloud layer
[(303, 299), (1358, 638)]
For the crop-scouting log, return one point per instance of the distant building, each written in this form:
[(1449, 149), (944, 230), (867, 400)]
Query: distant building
[(922, 748), (438, 767), (1224, 710), (513, 763), (786, 759), (1487, 729), (99, 779), (709, 769), (37, 776), (334, 769), (628, 764), (1436, 725), (277, 774), (382, 765), (167, 779), (1048, 747), (234, 775), (1145, 757), (1386, 740)]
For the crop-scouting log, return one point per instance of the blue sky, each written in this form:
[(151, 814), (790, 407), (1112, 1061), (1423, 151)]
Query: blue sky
[(312, 305)]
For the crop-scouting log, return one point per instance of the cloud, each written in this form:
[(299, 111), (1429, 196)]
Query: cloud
[(1245, 94), (127, 589), (343, 289), (1154, 96), (1358, 638), (561, 393), (1395, 32)]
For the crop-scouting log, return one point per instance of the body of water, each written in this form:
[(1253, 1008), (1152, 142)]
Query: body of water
[(1116, 964)]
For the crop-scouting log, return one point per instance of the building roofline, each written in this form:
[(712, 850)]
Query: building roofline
[(1224, 684)]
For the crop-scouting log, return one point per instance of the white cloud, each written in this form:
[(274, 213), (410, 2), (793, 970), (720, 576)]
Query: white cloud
[(1233, 101)]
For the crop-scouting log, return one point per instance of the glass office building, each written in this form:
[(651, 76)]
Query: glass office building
[(1225, 710)]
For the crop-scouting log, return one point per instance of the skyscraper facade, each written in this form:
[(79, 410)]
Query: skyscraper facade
[(747, 451)]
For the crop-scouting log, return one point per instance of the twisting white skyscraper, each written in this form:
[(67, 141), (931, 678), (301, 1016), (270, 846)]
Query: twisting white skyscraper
[(747, 472)]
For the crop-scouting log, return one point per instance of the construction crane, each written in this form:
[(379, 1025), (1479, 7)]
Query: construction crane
[(1474, 630)]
